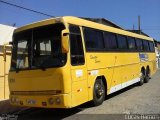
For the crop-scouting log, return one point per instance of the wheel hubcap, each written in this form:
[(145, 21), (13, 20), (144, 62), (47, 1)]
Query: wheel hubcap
[(99, 90)]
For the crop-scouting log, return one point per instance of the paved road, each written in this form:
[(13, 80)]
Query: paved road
[(132, 100)]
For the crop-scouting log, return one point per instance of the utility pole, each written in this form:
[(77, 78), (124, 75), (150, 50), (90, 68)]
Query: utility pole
[(139, 24)]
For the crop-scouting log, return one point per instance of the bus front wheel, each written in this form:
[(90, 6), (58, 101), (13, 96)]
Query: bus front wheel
[(98, 92)]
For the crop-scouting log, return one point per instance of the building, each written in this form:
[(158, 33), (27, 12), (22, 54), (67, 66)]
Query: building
[(6, 33), (103, 21)]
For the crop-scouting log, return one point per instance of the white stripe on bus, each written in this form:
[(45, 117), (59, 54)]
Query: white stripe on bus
[(123, 85)]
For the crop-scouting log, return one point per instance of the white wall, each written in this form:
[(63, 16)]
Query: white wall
[(6, 33)]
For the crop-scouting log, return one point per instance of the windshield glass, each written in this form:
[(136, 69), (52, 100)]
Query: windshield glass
[(38, 48)]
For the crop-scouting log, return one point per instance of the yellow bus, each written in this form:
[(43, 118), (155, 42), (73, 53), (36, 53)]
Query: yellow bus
[(66, 61)]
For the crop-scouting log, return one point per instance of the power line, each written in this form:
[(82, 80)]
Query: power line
[(152, 29), (152, 26), (24, 8)]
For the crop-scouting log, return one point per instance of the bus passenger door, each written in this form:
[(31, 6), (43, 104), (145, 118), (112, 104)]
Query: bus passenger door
[(78, 67)]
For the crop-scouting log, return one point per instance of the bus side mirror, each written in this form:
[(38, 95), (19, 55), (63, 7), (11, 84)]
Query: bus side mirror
[(65, 45)]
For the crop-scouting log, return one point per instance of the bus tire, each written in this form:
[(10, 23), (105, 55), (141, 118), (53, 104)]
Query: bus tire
[(142, 76), (147, 76), (98, 92)]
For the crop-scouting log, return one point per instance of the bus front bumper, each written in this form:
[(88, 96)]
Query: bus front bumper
[(45, 101)]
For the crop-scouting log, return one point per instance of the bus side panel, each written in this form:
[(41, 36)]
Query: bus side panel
[(93, 74), (119, 69), (152, 63), (97, 66), (79, 92)]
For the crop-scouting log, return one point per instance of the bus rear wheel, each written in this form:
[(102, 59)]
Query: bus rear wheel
[(98, 92), (142, 77), (147, 76)]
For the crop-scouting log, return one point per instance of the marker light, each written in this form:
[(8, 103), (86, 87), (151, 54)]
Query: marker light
[(58, 101), (50, 101)]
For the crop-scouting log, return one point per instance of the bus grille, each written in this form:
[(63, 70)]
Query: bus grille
[(49, 92)]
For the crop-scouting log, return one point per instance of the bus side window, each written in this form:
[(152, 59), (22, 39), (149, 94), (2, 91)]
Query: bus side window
[(76, 46), (122, 42), (110, 40), (139, 44), (93, 39), (145, 45), (131, 43), (151, 47)]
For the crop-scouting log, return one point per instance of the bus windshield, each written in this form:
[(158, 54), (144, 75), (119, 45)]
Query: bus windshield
[(38, 48)]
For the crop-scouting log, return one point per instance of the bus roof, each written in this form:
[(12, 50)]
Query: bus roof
[(82, 22)]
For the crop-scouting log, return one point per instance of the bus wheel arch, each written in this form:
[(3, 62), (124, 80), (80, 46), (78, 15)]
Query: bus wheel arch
[(99, 90)]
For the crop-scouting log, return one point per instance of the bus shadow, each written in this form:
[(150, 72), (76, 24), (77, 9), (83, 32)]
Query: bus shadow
[(58, 114), (6, 107), (89, 104), (47, 114)]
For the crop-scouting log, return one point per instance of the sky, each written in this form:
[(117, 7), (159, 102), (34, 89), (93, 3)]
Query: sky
[(121, 12)]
